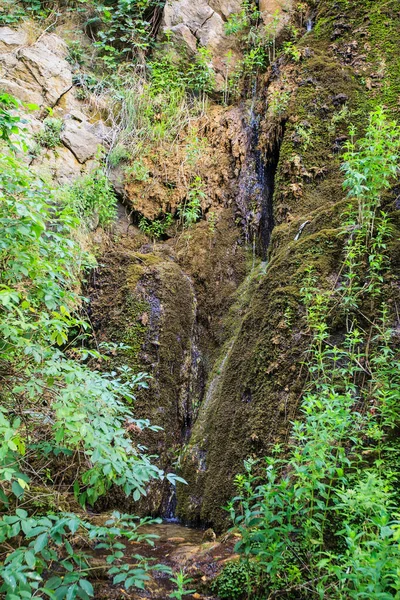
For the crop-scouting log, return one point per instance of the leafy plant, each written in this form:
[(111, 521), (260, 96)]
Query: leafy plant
[(190, 211), (50, 135), (181, 581), (137, 171), (53, 406), (46, 562), (234, 582), (93, 198), (9, 123), (157, 228), (319, 515), (117, 155)]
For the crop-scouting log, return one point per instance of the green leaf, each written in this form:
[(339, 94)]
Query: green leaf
[(40, 543)]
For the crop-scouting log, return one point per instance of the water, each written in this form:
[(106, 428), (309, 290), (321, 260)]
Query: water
[(177, 547)]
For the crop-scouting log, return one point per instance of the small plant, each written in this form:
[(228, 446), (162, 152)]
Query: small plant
[(303, 134), (157, 228), (212, 219), (234, 582), (339, 117), (50, 135), (290, 50), (92, 197), (137, 171), (117, 155), (75, 53), (181, 582), (190, 211), (200, 77), (278, 102), (9, 123)]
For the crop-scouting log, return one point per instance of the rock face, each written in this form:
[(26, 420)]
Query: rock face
[(38, 73), (202, 23), (253, 391), (225, 140), (275, 8), (78, 137)]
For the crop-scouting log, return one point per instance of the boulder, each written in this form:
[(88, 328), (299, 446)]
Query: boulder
[(10, 39), (202, 23), (275, 8), (42, 69), (78, 137), (61, 166)]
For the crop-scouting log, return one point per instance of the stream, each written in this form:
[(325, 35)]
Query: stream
[(195, 551)]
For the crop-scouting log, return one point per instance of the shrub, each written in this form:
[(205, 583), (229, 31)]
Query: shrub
[(92, 196), (49, 136), (157, 228), (234, 582), (190, 211)]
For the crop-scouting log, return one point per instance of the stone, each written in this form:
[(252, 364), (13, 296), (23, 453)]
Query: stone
[(10, 39), (61, 166), (45, 70), (271, 8), (79, 139), (23, 93), (55, 44), (182, 38), (203, 23)]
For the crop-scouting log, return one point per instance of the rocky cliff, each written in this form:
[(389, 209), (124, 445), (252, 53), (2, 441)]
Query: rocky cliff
[(214, 313)]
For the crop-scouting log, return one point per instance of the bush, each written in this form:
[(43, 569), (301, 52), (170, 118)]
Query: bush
[(234, 581), (49, 136), (93, 198)]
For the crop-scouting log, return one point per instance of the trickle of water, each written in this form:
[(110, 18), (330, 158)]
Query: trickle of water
[(309, 25)]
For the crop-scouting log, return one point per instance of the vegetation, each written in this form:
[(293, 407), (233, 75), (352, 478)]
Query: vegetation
[(54, 408), (190, 211), (319, 516), (181, 581), (157, 228), (93, 199), (49, 136)]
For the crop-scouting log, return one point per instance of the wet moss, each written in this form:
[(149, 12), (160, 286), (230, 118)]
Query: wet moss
[(349, 66)]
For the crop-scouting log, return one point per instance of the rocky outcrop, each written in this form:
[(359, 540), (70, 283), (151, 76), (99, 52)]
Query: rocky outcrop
[(37, 73), (202, 23), (224, 140)]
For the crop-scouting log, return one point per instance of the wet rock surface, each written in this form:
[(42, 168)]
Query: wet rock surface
[(179, 548)]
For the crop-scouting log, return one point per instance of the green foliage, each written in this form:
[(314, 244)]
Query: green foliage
[(117, 155), (75, 53), (13, 12), (324, 517), (92, 198), (66, 411), (181, 581), (126, 28), (45, 561), (234, 581), (190, 211), (49, 136), (200, 76), (137, 171), (156, 229), (8, 122), (278, 102), (290, 50)]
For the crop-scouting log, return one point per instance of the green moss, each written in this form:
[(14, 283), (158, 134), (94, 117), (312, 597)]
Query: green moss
[(260, 376)]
